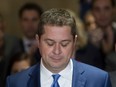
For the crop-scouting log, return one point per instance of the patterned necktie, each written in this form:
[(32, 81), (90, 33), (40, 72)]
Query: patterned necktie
[(55, 80)]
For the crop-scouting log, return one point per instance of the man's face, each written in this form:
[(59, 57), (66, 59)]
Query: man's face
[(29, 23), (102, 10), (56, 46)]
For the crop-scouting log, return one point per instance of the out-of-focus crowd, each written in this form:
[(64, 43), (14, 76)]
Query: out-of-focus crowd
[(96, 40)]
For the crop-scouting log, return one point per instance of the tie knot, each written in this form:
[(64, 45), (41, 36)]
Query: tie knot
[(56, 77)]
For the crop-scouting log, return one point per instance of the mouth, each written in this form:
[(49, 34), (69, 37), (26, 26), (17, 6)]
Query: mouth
[(103, 19), (56, 58)]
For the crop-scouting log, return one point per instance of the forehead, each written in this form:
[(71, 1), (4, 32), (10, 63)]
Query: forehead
[(57, 32), (102, 3), (30, 13)]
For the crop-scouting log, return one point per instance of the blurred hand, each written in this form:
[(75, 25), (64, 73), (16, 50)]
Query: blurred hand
[(96, 36)]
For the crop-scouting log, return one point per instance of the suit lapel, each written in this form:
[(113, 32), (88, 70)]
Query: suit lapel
[(78, 75), (22, 45), (34, 80)]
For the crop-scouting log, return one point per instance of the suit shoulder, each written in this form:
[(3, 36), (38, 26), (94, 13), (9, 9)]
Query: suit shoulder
[(90, 69), (91, 74)]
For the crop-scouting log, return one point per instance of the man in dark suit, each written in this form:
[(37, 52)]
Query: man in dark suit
[(56, 41), (103, 13), (29, 15), (7, 42)]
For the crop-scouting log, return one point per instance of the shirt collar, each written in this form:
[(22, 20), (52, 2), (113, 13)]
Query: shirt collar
[(46, 73), (67, 72)]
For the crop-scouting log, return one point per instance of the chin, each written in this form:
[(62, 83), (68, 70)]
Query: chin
[(56, 65)]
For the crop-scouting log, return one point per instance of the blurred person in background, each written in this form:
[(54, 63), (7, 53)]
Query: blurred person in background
[(1, 52), (85, 51), (103, 13), (6, 50), (29, 15), (111, 66), (1, 44), (95, 34), (111, 62), (115, 46), (85, 5), (89, 21), (20, 61)]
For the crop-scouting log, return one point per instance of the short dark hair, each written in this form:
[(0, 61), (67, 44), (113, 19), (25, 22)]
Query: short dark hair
[(20, 56), (57, 17), (93, 1), (30, 6)]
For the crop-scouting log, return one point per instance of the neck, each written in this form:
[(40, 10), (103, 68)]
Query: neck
[(54, 69)]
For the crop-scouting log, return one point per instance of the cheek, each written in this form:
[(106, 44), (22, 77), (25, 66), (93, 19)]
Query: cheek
[(36, 24), (109, 15), (44, 49), (98, 16), (24, 24), (68, 51)]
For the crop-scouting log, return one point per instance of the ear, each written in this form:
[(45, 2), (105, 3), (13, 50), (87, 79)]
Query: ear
[(74, 49), (37, 39), (75, 41)]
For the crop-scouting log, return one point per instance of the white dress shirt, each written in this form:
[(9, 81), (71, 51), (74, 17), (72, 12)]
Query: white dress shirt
[(26, 42), (65, 80)]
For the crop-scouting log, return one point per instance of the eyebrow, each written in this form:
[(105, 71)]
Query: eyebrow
[(49, 40), (66, 40), (54, 41)]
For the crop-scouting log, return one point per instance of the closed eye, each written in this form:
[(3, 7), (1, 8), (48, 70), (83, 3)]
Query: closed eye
[(50, 42), (65, 43)]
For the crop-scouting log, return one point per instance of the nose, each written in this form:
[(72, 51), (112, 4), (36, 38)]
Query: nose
[(57, 49), (30, 23), (102, 12)]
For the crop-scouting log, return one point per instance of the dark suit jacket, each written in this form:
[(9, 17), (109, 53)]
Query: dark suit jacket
[(83, 76), (90, 55), (8, 51), (113, 78), (19, 47)]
